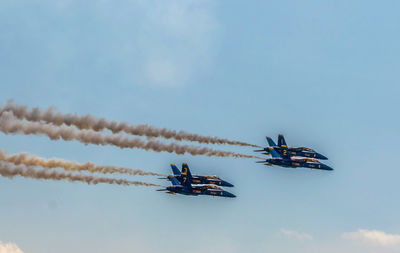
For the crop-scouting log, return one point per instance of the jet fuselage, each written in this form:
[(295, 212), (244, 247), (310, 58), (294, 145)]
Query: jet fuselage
[(294, 163), (301, 152), (200, 190), (198, 179)]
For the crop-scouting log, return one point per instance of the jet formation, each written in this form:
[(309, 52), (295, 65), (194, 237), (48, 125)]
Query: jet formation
[(292, 157), (184, 183)]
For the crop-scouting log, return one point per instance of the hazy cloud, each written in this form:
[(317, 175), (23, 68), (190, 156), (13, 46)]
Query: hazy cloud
[(374, 237), (9, 248), (125, 43), (297, 235), (178, 39)]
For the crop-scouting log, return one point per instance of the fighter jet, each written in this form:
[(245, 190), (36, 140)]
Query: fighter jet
[(293, 162), (186, 188), (197, 179), (287, 152)]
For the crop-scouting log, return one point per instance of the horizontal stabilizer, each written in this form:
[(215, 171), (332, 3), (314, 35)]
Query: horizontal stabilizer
[(174, 181), (259, 150), (273, 152)]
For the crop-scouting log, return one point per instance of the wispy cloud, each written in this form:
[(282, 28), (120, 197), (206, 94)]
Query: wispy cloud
[(374, 237), (177, 39), (9, 248), (297, 235), (153, 43)]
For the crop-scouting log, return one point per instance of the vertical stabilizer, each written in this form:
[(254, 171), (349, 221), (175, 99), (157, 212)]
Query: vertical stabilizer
[(271, 143), (281, 141), (186, 175), (175, 170)]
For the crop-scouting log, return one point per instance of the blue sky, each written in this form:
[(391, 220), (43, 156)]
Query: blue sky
[(325, 74)]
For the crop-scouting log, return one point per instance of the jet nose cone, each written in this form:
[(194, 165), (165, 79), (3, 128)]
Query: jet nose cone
[(226, 184), (320, 156), (326, 167), (229, 195)]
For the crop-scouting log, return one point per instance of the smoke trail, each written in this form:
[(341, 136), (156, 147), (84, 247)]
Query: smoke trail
[(10, 171), (50, 115), (30, 160), (10, 125)]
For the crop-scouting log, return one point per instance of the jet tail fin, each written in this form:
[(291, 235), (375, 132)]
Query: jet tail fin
[(175, 170), (270, 141), (281, 141), (186, 175)]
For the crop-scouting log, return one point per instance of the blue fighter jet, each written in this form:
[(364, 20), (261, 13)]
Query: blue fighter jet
[(197, 179), (186, 188), (293, 162), (287, 152)]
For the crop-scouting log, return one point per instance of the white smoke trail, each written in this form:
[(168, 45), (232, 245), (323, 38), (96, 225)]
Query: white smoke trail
[(31, 160), (10, 125), (50, 115), (11, 171)]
